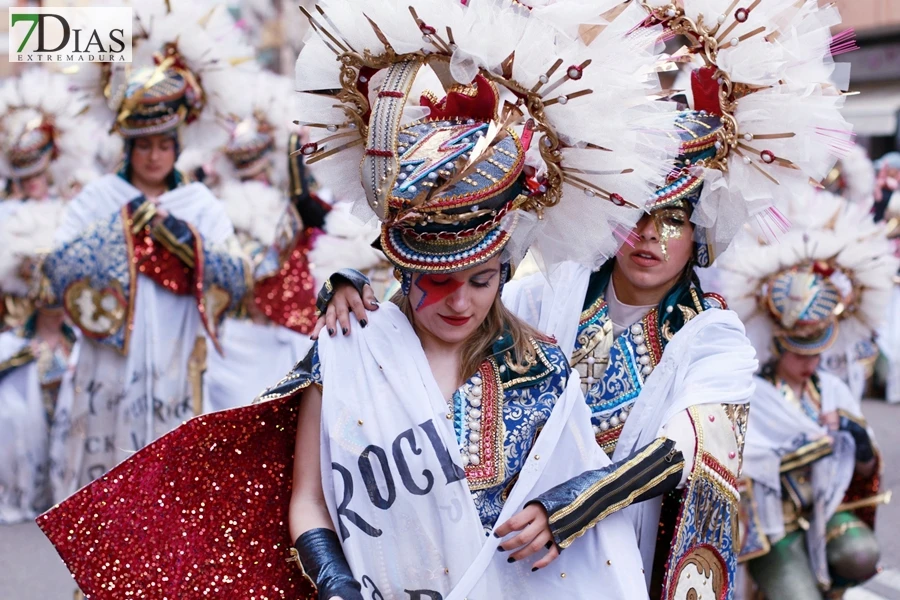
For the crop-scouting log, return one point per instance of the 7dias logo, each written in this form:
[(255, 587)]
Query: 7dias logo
[(70, 35)]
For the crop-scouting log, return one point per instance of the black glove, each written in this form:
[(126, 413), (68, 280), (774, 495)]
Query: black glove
[(864, 450), (322, 559), (351, 276), (581, 502)]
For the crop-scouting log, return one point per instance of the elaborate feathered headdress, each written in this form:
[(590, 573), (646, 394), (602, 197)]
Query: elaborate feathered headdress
[(184, 60), (260, 128), (42, 128), (461, 118), (765, 68), (834, 266)]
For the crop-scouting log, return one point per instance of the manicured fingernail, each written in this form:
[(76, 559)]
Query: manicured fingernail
[(533, 569), (510, 560), (363, 323), (496, 535), (313, 338), (331, 332), (499, 548), (549, 544), (344, 330)]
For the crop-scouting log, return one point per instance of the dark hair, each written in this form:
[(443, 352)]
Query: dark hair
[(173, 179)]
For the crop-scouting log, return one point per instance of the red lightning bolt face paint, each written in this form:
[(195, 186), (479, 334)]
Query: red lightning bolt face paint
[(435, 288)]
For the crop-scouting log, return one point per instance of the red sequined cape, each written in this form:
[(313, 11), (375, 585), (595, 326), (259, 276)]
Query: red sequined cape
[(200, 513)]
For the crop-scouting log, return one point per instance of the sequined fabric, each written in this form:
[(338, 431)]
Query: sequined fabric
[(200, 513), (159, 264), (289, 296)]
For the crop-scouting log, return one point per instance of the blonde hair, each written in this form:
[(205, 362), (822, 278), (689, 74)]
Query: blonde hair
[(479, 346)]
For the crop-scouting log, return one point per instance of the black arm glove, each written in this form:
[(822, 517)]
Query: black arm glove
[(864, 450), (322, 559), (351, 276), (581, 502)]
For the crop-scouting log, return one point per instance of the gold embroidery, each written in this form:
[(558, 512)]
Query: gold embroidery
[(100, 313), (196, 369)]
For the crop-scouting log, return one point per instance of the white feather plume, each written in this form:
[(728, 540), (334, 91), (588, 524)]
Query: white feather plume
[(254, 208), (789, 128), (27, 234)]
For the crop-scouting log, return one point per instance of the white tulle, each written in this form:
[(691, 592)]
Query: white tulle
[(254, 208), (27, 234)]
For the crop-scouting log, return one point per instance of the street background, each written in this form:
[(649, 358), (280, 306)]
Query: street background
[(31, 570)]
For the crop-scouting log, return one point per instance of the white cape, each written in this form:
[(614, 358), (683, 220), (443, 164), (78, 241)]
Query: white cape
[(709, 360), (388, 459), (775, 427), (24, 437), (253, 356), (118, 404)]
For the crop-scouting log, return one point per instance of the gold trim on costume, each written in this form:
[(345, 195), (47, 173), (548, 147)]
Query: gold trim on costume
[(805, 455), (196, 368)]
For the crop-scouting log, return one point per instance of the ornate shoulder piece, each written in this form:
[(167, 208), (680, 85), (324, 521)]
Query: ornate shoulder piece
[(545, 360), (304, 373)]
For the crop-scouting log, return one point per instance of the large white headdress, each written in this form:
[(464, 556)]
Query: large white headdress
[(832, 244)]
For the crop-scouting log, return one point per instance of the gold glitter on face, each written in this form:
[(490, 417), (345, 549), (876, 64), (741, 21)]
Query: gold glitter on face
[(670, 224)]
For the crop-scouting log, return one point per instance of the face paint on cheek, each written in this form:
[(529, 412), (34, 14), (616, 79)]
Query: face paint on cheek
[(433, 292), (667, 230)]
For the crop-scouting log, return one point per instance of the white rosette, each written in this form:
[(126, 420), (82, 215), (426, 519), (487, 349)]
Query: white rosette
[(613, 141), (825, 230)]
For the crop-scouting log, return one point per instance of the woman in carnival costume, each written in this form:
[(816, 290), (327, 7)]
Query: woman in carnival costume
[(393, 461), (812, 469), (146, 264), (663, 365)]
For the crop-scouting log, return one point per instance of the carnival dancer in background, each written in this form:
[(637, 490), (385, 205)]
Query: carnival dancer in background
[(268, 331), (437, 422), (47, 149), (147, 264), (35, 357), (664, 365), (810, 461)]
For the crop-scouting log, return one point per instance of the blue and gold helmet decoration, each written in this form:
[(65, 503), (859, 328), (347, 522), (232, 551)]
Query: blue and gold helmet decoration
[(698, 132), (805, 305), (159, 99), (444, 214)]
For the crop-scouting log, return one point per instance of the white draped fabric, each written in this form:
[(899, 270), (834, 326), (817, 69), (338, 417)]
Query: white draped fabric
[(777, 427), (394, 486), (253, 356), (24, 437), (115, 404), (708, 361)]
